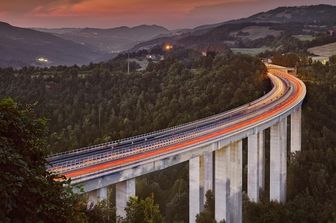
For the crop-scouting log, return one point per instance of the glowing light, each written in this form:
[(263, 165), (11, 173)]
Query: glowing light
[(42, 60), (168, 47)]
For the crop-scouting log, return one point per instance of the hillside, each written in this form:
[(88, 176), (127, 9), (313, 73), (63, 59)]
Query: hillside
[(266, 29), (110, 40), (22, 47), (314, 14), (131, 104), (327, 50)]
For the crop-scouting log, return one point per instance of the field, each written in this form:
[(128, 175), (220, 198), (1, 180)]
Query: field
[(256, 32), (250, 51), (304, 37), (324, 50)]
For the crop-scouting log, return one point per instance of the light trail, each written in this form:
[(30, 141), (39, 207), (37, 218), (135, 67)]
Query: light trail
[(287, 91)]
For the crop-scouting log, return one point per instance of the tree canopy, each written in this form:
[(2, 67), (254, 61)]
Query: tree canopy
[(100, 102), (28, 192)]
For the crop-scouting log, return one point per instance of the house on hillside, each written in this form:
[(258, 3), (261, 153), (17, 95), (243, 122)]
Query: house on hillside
[(332, 31), (321, 59), (154, 57)]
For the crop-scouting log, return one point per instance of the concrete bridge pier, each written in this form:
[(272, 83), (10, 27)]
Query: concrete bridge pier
[(278, 161), (228, 183), (124, 190), (236, 185), (222, 184), (96, 196), (200, 181), (194, 188), (206, 175), (255, 166), (261, 162), (296, 131)]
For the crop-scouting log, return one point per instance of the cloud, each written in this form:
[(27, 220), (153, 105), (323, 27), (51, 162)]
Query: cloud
[(225, 11), (27, 6), (91, 6), (109, 13)]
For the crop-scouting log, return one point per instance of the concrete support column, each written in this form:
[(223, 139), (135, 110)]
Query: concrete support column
[(296, 131), (194, 188), (208, 173), (124, 190), (96, 196), (278, 161), (228, 183), (202, 181), (261, 162), (255, 166), (222, 184), (92, 199), (102, 194), (236, 185)]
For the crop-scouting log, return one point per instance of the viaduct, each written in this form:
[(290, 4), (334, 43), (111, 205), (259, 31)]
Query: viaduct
[(213, 148)]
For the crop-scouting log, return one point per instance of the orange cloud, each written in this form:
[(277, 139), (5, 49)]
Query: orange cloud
[(109, 13), (112, 8)]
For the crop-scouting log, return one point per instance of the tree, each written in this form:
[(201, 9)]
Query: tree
[(332, 60), (208, 214), (102, 212), (145, 211), (28, 192), (287, 60)]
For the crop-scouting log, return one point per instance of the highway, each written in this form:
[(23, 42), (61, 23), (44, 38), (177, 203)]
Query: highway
[(287, 92)]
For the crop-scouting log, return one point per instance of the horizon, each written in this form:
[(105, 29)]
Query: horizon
[(186, 15)]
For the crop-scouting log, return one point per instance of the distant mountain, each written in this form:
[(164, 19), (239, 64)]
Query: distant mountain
[(21, 47), (111, 40), (57, 30), (314, 14), (256, 30)]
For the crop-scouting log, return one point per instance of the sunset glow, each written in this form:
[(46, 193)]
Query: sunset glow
[(108, 13)]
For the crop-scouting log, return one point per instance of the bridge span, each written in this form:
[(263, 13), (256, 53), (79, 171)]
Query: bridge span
[(213, 148)]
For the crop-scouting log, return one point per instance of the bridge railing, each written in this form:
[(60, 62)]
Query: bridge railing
[(111, 155)]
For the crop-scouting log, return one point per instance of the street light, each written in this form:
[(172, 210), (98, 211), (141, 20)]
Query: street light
[(128, 63), (168, 47)]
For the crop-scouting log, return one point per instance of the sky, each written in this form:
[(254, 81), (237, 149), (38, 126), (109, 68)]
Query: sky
[(173, 14)]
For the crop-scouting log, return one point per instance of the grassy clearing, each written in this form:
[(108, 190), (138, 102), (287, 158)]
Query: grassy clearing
[(250, 51), (304, 37), (325, 50), (256, 32)]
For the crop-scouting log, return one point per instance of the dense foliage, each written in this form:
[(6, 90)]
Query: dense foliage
[(28, 193), (145, 211), (208, 213), (170, 188), (90, 104), (311, 174)]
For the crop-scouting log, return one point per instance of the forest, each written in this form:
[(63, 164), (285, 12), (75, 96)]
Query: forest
[(98, 103), (101, 102), (115, 104)]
